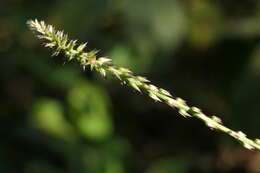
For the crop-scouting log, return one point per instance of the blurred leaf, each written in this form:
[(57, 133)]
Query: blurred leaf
[(47, 114), (205, 23), (114, 166), (122, 55), (162, 23), (89, 105), (168, 22), (52, 74)]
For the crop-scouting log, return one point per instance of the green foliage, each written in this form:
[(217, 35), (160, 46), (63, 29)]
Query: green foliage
[(89, 109), (48, 114)]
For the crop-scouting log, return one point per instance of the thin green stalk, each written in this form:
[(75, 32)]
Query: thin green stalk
[(58, 41)]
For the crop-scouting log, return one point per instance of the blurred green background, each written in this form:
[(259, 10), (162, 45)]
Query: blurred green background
[(58, 119)]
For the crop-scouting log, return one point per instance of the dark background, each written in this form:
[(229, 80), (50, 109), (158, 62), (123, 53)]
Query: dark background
[(55, 118)]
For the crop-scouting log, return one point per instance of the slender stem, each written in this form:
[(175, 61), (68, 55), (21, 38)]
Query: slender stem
[(59, 42)]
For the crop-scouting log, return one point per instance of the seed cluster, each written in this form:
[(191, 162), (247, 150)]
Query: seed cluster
[(58, 41)]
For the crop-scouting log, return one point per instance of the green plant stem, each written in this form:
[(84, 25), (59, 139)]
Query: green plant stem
[(59, 42)]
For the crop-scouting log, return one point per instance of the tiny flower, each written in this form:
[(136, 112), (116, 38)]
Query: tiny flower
[(135, 86), (211, 125), (184, 113), (71, 44), (104, 60), (102, 71), (142, 79), (217, 119), (50, 45), (154, 97), (115, 72), (153, 87), (125, 70), (181, 101), (241, 134), (172, 103), (92, 61), (196, 110), (81, 47), (50, 29), (165, 92), (248, 146)]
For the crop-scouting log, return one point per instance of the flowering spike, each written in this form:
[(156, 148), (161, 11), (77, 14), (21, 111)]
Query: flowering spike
[(59, 42)]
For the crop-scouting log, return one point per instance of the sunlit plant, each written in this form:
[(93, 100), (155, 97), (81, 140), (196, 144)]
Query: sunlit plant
[(59, 42)]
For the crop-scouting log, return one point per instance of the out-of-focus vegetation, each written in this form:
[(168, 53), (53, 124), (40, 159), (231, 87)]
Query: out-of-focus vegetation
[(56, 118)]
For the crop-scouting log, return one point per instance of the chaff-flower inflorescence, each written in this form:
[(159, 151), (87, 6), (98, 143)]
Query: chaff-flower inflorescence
[(59, 42)]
